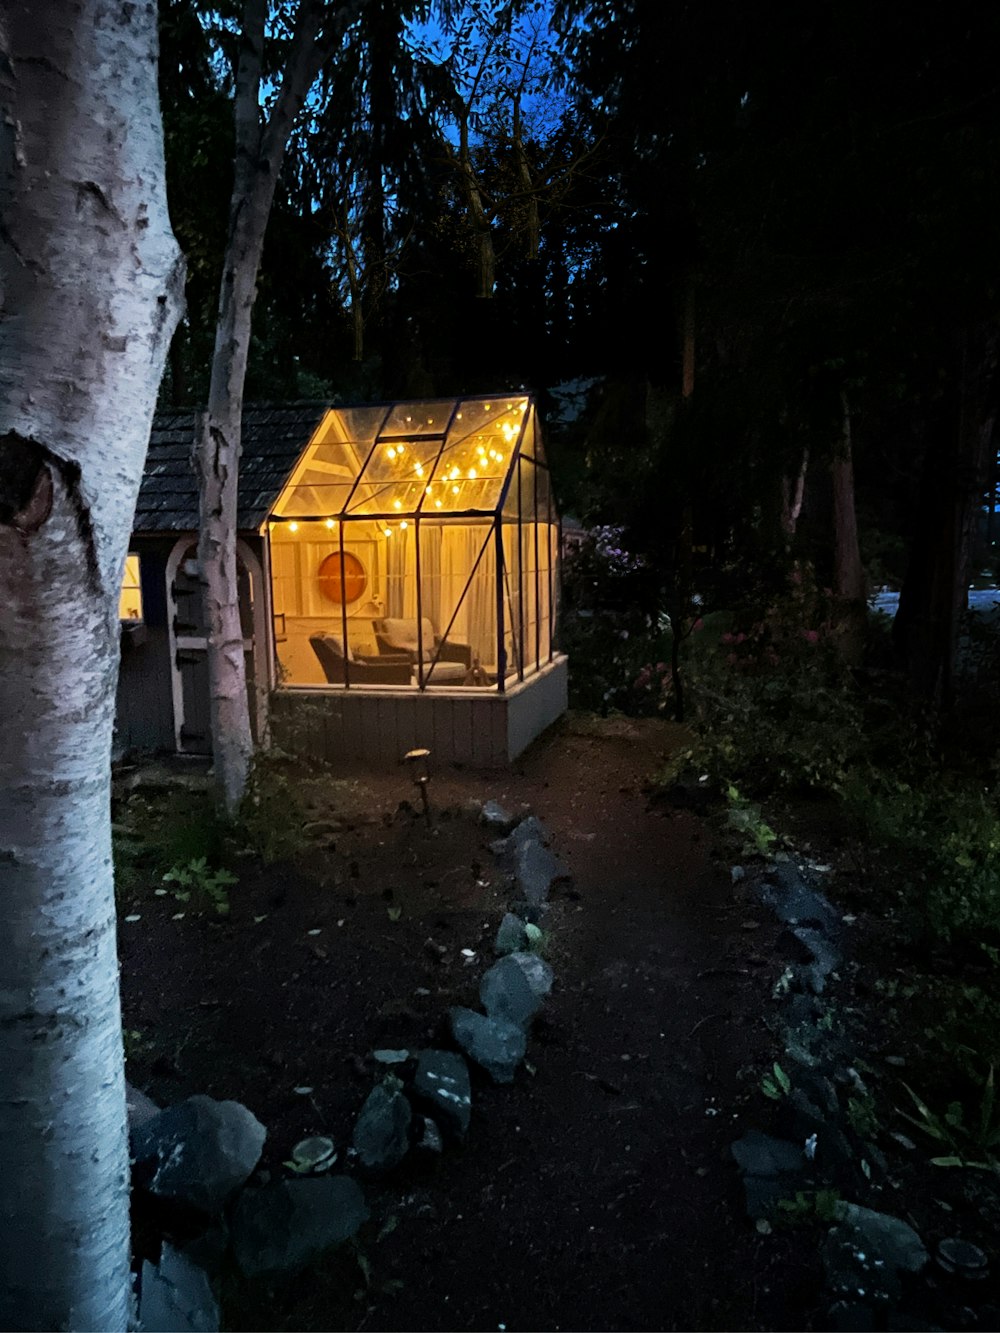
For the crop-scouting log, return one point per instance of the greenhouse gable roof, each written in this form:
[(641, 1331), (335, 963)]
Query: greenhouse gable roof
[(442, 456)]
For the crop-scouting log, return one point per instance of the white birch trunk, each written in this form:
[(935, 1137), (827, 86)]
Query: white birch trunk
[(90, 292), (260, 148)]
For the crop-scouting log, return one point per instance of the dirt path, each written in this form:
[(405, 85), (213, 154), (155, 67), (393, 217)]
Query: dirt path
[(595, 1193)]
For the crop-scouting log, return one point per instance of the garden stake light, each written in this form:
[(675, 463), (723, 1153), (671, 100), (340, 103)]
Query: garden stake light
[(420, 767)]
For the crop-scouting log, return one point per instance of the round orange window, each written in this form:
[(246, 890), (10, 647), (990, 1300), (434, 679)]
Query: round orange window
[(342, 583)]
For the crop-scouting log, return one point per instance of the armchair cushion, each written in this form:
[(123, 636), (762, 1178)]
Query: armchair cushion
[(395, 633)]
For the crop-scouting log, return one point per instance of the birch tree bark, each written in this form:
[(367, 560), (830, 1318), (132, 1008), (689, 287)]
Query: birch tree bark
[(260, 148), (90, 291)]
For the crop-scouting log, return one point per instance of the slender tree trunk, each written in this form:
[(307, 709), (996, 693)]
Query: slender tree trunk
[(791, 499), (935, 590), (260, 148), (216, 457), (354, 287), (91, 284), (482, 231), (850, 587), (533, 225)]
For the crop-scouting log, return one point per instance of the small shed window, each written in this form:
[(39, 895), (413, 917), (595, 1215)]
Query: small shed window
[(130, 599)]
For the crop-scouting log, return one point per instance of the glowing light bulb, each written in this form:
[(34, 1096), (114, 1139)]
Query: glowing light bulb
[(430, 421), (472, 474), (481, 452), (388, 532), (404, 525), (392, 452), (397, 504), (454, 490), (437, 504), (399, 450), (331, 522), (419, 470), (459, 417), (427, 490), (499, 458), (293, 527), (487, 407)]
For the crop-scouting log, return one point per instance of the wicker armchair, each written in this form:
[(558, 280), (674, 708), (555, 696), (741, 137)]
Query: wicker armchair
[(394, 669)]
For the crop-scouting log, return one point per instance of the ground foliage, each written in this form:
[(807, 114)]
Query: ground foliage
[(778, 717)]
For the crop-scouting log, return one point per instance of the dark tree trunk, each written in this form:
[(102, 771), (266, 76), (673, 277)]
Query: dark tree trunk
[(935, 589)]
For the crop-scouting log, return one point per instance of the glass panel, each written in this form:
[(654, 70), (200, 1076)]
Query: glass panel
[(321, 483), (411, 419), (512, 601), (359, 424), (458, 603), (396, 477), (310, 596), (130, 598), (477, 455)]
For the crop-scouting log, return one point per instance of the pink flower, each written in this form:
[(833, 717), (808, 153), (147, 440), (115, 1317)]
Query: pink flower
[(810, 636), (727, 638)]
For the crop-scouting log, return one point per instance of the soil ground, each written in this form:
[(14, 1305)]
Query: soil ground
[(596, 1192)]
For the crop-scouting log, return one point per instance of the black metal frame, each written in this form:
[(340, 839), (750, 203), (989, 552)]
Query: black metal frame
[(496, 530)]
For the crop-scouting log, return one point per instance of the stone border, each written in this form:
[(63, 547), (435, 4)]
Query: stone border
[(201, 1153), (878, 1272)]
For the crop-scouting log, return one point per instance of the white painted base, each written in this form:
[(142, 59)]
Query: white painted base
[(379, 724)]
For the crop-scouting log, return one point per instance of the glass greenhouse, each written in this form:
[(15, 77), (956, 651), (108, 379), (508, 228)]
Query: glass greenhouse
[(416, 546)]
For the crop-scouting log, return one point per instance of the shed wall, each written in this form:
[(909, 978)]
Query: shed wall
[(378, 725)]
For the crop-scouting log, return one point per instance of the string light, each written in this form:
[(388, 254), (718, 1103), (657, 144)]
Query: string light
[(388, 532), (331, 522), (293, 527), (404, 525), (397, 504)]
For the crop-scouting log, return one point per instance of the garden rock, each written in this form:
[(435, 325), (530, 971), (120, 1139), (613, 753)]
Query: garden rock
[(537, 972), (528, 830), (496, 817), (889, 1238), (442, 1084), (140, 1108), (824, 957), (536, 869), (176, 1296), (495, 1045), (282, 1227), (382, 1132), (511, 935), (429, 1141), (791, 899), (199, 1151), (506, 993), (772, 1170), (855, 1272)]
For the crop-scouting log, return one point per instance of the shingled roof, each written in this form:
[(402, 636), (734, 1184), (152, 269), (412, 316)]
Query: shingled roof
[(274, 436)]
